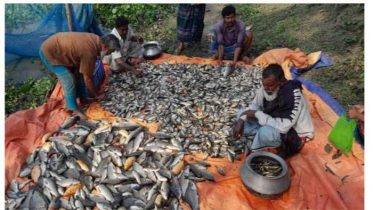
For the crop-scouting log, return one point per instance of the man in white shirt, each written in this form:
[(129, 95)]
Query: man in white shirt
[(129, 55), (279, 116)]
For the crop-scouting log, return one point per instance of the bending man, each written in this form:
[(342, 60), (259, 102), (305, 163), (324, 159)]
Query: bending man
[(72, 57)]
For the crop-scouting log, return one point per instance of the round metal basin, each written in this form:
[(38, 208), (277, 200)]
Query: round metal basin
[(151, 50), (266, 186)]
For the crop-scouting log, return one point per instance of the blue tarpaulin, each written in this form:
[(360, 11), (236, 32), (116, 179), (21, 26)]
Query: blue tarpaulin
[(29, 25), (322, 61)]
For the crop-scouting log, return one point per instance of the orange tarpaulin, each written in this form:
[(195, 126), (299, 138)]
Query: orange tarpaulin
[(311, 185)]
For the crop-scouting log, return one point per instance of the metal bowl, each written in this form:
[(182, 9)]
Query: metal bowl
[(262, 186), (151, 50)]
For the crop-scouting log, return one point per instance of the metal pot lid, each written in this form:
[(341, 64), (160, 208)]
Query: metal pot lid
[(150, 43)]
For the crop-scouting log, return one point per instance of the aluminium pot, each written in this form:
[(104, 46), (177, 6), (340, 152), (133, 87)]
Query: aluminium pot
[(262, 186), (151, 50)]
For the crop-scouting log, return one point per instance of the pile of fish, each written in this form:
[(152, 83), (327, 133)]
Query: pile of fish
[(102, 165), (195, 104), (266, 167), (122, 165)]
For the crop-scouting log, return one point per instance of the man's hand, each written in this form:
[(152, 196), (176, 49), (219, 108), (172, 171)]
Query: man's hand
[(250, 114), (352, 113), (238, 129), (137, 39), (101, 97), (359, 108), (138, 73)]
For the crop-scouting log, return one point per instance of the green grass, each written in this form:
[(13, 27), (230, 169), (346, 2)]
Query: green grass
[(337, 30), (28, 95)]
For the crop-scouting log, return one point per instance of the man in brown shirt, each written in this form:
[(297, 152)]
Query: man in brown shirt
[(71, 55)]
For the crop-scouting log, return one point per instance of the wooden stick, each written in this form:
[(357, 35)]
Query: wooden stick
[(69, 17)]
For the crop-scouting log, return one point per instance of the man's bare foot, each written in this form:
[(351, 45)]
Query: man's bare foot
[(180, 48), (246, 60), (80, 114)]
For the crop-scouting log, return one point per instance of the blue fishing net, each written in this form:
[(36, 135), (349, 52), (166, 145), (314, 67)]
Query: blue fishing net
[(27, 26)]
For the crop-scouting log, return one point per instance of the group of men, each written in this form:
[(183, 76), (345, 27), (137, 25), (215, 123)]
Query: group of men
[(278, 117)]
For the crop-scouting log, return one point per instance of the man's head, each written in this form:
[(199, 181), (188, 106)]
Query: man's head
[(121, 24), (229, 15), (273, 78), (109, 44)]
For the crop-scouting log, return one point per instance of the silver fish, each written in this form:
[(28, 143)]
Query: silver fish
[(139, 138), (38, 201), (51, 185), (69, 122), (76, 131), (105, 192), (133, 134), (175, 187), (165, 190), (67, 182), (220, 171), (14, 185), (191, 196)]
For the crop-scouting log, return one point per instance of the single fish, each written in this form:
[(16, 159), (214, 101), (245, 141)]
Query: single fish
[(68, 123), (23, 184), (133, 134), (165, 190), (38, 201), (220, 171), (175, 187), (51, 185), (105, 192), (36, 173), (115, 159), (67, 182), (196, 179), (137, 177), (139, 138), (191, 196), (32, 156), (160, 135), (14, 185), (127, 187), (75, 131), (207, 175), (102, 129), (129, 162), (125, 125)]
